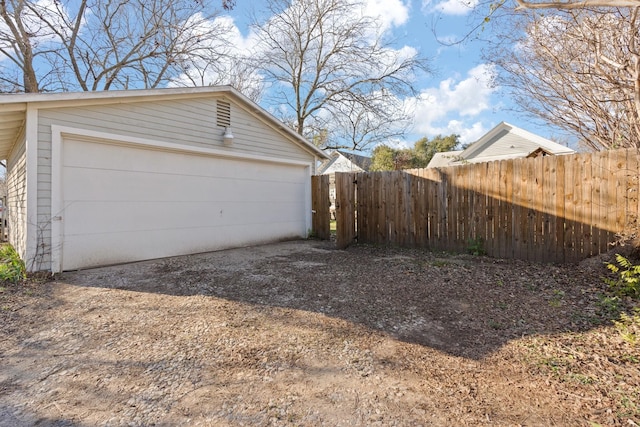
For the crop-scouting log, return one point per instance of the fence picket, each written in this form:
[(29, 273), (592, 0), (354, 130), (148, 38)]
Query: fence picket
[(585, 211), (345, 209)]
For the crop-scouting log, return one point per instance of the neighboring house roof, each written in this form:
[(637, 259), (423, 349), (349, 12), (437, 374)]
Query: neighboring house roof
[(342, 161), (14, 109), (504, 141), (443, 159)]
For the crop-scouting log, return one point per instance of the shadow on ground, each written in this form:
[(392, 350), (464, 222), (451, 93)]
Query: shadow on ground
[(463, 305)]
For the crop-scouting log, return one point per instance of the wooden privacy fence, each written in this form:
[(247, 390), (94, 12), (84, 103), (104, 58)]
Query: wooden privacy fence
[(546, 209)]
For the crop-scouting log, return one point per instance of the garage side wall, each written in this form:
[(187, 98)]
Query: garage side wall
[(17, 197), (188, 122)]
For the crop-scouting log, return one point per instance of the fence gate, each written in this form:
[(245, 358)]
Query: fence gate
[(346, 201), (320, 205)]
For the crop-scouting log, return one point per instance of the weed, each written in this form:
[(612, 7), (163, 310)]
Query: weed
[(496, 325), (629, 327), (556, 299), (552, 363), (628, 281), (440, 263), (11, 266), (476, 246), (581, 379), (631, 358), (580, 317), (609, 307)]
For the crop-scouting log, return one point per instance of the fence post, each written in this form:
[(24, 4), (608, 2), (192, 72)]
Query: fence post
[(345, 209)]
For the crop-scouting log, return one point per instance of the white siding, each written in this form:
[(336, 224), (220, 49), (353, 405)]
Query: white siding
[(17, 197), (188, 122)]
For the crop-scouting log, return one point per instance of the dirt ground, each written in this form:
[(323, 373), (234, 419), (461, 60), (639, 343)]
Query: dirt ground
[(301, 334)]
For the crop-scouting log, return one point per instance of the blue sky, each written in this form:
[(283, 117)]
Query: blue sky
[(458, 96)]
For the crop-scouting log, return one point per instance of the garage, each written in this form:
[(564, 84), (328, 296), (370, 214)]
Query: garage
[(153, 175)]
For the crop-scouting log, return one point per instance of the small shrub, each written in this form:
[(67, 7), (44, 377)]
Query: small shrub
[(11, 266), (476, 246), (628, 281)]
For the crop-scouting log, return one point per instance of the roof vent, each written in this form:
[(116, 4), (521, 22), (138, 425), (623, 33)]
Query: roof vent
[(223, 114)]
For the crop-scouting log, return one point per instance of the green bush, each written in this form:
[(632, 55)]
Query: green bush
[(11, 266), (628, 281), (476, 246)]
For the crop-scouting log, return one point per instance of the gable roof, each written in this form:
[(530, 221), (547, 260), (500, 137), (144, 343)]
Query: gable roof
[(519, 139), (505, 141), (13, 108), (444, 158), (362, 162), (342, 161)]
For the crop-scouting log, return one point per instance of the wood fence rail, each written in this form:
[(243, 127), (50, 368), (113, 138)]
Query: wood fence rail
[(546, 209)]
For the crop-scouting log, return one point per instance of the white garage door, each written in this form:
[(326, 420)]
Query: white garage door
[(124, 203)]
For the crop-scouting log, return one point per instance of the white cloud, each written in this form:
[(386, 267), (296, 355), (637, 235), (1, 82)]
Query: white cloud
[(235, 38), (467, 134), (449, 7), (392, 13), (447, 108), (397, 143)]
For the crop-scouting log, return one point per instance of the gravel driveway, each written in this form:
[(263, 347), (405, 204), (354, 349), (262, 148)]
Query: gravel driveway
[(294, 333)]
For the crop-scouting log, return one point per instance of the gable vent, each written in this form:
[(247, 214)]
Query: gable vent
[(223, 114)]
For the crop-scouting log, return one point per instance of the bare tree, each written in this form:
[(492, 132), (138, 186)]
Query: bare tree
[(232, 66), (20, 34), (333, 72), (364, 124), (579, 70), (103, 44), (573, 5)]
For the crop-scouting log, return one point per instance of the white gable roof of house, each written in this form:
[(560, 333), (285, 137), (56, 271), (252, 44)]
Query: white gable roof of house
[(340, 162), (444, 159), (505, 141), (14, 107)]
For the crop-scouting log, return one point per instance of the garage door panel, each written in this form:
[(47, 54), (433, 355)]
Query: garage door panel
[(81, 154), (123, 247), (134, 186), (108, 217), (123, 203)]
